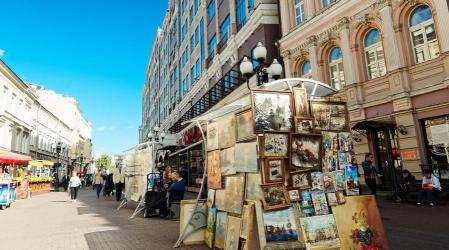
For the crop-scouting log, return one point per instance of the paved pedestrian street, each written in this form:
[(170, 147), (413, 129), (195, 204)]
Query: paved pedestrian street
[(49, 221)]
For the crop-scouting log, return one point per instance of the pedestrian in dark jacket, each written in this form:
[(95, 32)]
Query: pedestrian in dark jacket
[(65, 182), (175, 193), (370, 172)]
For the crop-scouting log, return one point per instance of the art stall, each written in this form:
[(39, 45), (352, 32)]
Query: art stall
[(10, 167), (279, 176)]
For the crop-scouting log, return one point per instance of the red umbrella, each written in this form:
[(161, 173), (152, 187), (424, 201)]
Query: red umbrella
[(14, 158)]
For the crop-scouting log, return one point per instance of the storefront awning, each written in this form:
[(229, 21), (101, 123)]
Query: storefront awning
[(186, 148), (41, 163), (7, 157), (367, 125)]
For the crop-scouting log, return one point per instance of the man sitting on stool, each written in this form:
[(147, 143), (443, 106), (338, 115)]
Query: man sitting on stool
[(431, 185), (175, 193)]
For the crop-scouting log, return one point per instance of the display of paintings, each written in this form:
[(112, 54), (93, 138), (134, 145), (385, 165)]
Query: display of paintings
[(300, 179), (234, 193), (244, 126), (246, 157), (274, 169), (320, 232), (294, 195), (329, 182), (352, 180), (212, 136), (210, 197), (209, 232), (232, 233), (275, 196), (304, 125), (213, 169), (306, 205), (339, 180), (331, 116), (253, 190), (341, 199), (197, 225), (306, 151), (220, 229), (332, 199), (330, 151), (345, 149), (227, 161), (317, 181), (301, 102), (247, 220), (226, 131), (272, 110), (320, 202), (360, 225), (280, 225), (220, 199), (275, 144)]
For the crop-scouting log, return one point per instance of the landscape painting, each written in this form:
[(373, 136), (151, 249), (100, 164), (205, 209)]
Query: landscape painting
[(280, 225), (330, 116), (209, 232), (253, 190), (320, 232), (232, 233), (275, 196), (234, 193), (226, 131), (301, 102), (330, 151), (213, 169), (275, 144), (246, 158), (306, 151), (344, 149), (220, 229), (245, 126), (227, 161), (272, 110), (317, 181), (352, 180), (320, 202)]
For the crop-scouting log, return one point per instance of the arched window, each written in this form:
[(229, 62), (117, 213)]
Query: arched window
[(374, 54), (423, 35), (306, 71), (336, 69)]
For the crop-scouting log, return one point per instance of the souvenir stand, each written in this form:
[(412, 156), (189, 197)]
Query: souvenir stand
[(9, 163), (279, 175)]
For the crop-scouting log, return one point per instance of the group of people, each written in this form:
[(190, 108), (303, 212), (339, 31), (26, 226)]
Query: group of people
[(110, 182)]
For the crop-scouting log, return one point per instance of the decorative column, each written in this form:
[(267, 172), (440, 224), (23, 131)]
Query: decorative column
[(442, 17), (287, 58), (309, 6), (313, 57), (348, 60), (285, 17), (392, 57), (233, 17)]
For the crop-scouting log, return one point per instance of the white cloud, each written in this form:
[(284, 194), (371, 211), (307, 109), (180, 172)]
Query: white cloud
[(104, 129), (2, 53)]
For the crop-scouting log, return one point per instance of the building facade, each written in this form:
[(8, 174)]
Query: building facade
[(390, 61)]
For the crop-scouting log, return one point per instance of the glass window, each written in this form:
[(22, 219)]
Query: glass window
[(191, 16), (225, 29), (197, 69), (241, 12), (212, 45), (203, 49), (306, 70), (336, 69), (211, 10), (436, 133), (423, 35), (197, 36), (299, 11), (327, 2), (374, 55), (196, 4)]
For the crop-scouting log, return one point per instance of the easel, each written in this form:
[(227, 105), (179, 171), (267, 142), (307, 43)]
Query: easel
[(126, 198), (151, 180)]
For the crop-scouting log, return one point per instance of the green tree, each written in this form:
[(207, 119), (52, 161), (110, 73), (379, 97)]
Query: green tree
[(105, 161)]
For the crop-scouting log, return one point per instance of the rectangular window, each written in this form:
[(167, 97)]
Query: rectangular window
[(192, 43), (197, 69), (327, 3), (436, 131), (211, 10), (250, 4), (299, 11), (183, 6), (184, 31), (192, 75), (196, 4), (203, 52), (197, 35), (225, 29), (191, 16), (212, 45), (241, 12)]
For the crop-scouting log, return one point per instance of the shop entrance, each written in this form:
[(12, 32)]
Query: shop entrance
[(387, 157), (436, 135)]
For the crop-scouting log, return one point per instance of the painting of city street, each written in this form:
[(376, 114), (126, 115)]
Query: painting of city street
[(331, 116), (280, 225), (320, 232), (272, 110)]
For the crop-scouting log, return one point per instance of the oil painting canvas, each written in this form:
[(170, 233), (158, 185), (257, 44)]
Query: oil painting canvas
[(300, 179), (275, 144), (332, 199), (272, 110), (226, 131), (253, 190), (301, 102), (234, 193), (227, 161), (212, 136), (210, 197), (344, 149), (320, 232), (329, 182), (280, 225), (306, 151), (220, 199), (339, 180), (220, 229), (246, 157), (306, 205), (330, 151), (244, 126), (247, 220), (304, 125), (210, 228), (330, 116), (317, 181), (198, 223), (320, 202), (352, 180), (275, 196), (232, 233), (360, 225), (274, 169), (213, 169)]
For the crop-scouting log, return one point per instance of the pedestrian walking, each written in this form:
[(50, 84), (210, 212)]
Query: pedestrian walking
[(119, 180), (98, 182), (74, 184), (370, 172), (65, 181)]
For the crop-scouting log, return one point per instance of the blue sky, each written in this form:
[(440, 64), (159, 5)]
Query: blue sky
[(93, 50)]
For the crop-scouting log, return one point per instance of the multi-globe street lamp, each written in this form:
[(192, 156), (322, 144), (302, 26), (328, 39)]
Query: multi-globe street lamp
[(58, 148)]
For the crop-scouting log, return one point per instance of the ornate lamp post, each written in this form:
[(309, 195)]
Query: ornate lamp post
[(58, 148)]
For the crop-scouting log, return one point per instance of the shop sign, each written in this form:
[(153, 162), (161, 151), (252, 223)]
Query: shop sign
[(409, 154)]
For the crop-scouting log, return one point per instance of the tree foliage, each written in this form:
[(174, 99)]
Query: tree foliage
[(105, 161)]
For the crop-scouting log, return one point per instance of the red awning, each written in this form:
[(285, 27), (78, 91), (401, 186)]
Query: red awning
[(13, 158)]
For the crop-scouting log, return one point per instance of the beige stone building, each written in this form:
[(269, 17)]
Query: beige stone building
[(390, 61)]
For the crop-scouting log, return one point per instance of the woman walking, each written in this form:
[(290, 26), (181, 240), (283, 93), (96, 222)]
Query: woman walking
[(98, 182), (74, 184)]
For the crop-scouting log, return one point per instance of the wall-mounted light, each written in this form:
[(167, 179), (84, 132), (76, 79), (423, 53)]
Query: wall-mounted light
[(402, 130), (357, 139)]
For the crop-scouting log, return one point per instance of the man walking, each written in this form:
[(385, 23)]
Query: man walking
[(119, 180)]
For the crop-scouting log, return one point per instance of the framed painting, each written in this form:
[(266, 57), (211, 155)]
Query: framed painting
[(306, 205), (293, 195), (275, 144), (246, 157), (329, 182), (329, 116), (274, 196), (234, 193), (313, 229), (332, 199), (339, 180), (196, 229), (274, 169), (252, 189), (317, 181), (305, 151), (212, 136), (213, 169), (210, 228), (227, 161), (360, 225), (304, 125), (232, 233), (220, 229), (220, 197), (272, 110), (352, 180), (320, 202), (247, 221), (341, 199), (301, 102), (226, 131), (210, 198), (244, 126), (330, 151), (344, 149), (301, 179)]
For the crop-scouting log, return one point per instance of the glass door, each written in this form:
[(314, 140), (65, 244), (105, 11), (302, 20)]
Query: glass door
[(387, 156)]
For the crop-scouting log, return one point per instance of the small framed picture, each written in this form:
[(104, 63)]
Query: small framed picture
[(274, 196), (275, 144), (301, 179), (274, 169), (304, 125), (294, 195)]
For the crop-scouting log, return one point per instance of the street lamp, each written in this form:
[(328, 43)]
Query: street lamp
[(81, 163), (58, 148), (156, 136), (247, 67)]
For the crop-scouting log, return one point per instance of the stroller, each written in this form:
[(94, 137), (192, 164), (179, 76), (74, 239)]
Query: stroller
[(108, 186)]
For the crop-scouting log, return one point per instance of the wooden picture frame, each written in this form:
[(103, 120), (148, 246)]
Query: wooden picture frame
[(269, 123), (300, 156), (268, 150), (301, 106), (232, 232), (278, 199), (324, 121), (244, 132), (197, 237), (268, 171), (294, 195), (297, 180), (298, 119)]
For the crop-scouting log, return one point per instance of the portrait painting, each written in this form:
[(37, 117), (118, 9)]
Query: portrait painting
[(246, 158), (332, 199), (234, 193), (275, 196), (320, 202), (232, 233), (301, 102), (294, 195), (245, 126), (329, 116), (274, 169), (227, 161), (213, 169), (306, 205), (329, 182), (352, 180), (359, 224), (300, 179), (306, 151), (320, 232), (210, 228), (304, 125), (330, 151), (317, 181), (272, 110), (226, 131), (220, 229), (344, 149), (253, 190), (275, 144), (212, 136)]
